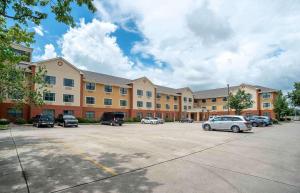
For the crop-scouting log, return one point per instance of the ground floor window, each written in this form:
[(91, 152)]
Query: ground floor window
[(68, 112), (139, 115), (14, 112), (90, 115), (158, 115), (50, 112), (149, 114), (167, 115), (267, 114)]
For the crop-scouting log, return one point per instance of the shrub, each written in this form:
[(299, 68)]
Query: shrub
[(20, 121), (83, 120), (4, 122), (168, 120), (129, 119), (136, 119), (275, 121), (30, 121)]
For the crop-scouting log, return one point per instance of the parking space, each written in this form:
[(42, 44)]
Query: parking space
[(172, 157)]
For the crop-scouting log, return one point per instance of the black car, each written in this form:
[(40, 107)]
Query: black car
[(67, 120), (43, 120), (112, 118), (186, 120), (257, 121)]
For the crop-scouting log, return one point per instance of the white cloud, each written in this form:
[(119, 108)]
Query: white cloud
[(39, 30), (211, 43), (91, 46), (49, 52)]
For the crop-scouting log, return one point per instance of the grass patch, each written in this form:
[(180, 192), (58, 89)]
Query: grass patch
[(3, 127)]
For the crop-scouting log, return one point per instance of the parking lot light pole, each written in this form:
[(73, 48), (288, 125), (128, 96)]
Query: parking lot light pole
[(228, 110)]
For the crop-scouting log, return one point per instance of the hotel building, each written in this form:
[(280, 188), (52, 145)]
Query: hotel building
[(89, 94)]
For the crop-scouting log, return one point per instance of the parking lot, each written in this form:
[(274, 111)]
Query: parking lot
[(173, 157)]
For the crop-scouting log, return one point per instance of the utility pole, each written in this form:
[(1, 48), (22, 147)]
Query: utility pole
[(228, 92)]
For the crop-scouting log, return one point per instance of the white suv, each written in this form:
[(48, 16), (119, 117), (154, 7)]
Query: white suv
[(228, 122), (149, 120)]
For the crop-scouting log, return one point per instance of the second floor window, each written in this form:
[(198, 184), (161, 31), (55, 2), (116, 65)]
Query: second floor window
[(148, 104), (149, 94), (107, 88), (184, 99), (123, 103), (185, 107), (189, 107), (90, 86), (167, 106), (175, 98), (68, 82), (266, 105), (224, 98), (90, 100), (68, 98), (139, 103), (158, 106), (48, 96), (50, 80), (175, 107), (214, 108), (190, 100), (107, 101), (168, 97), (266, 95), (158, 95), (123, 91), (139, 92), (213, 100), (203, 100)]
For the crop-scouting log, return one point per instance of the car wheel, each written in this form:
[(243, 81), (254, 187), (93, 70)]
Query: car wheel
[(120, 124), (235, 129), (64, 124), (254, 124), (207, 127), (52, 125), (38, 125), (264, 124)]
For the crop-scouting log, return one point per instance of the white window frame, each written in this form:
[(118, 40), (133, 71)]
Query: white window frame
[(48, 100), (109, 99), (123, 105), (90, 83), (89, 103)]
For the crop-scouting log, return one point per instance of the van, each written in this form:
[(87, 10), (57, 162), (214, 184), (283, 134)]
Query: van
[(112, 118)]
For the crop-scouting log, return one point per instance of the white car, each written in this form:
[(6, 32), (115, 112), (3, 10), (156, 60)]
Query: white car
[(149, 120), (160, 120)]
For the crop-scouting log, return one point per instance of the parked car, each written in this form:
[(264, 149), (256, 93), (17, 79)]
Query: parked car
[(160, 120), (112, 118), (186, 120), (149, 120), (43, 120), (67, 120), (260, 121), (228, 122)]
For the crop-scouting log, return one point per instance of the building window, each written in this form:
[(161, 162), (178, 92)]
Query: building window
[(90, 115), (48, 96), (149, 94), (158, 95), (50, 112), (175, 107), (68, 98), (168, 97), (225, 107), (68, 82), (90, 100), (107, 101), (68, 112), (251, 106), (14, 112), (107, 88), (139, 103), (175, 98), (139, 115), (139, 92), (224, 98), (123, 103), (266, 105), (213, 100), (189, 107), (267, 114), (190, 100), (90, 86), (50, 80), (149, 114), (158, 106), (214, 108), (123, 91), (149, 105), (185, 107), (184, 99), (266, 95), (203, 100), (167, 106)]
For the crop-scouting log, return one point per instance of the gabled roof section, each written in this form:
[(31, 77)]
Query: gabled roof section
[(141, 78), (58, 58), (106, 79), (181, 90), (166, 90)]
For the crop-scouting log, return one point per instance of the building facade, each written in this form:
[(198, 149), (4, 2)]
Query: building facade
[(88, 95)]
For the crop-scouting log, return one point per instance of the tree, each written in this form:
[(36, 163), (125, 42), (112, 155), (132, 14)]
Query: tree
[(294, 96), (15, 16), (240, 101), (281, 106)]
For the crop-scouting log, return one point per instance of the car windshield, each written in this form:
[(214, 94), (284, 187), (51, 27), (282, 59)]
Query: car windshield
[(45, 118), (119, 115), (69, 117)]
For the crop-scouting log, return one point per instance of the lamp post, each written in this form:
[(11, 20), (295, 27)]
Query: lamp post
[(228, 110)]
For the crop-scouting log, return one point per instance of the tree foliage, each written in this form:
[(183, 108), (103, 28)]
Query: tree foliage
[(240, 101), (281, 106), (15, 17), (294, 96)]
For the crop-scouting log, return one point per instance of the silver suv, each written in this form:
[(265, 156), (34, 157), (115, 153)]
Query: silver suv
[(228, 122)]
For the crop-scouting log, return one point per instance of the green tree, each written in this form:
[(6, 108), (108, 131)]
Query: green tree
[(240, 101), (15, 17), (294, 96), (281, 106)]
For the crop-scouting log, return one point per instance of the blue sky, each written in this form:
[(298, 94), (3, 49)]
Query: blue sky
[(198, 43)]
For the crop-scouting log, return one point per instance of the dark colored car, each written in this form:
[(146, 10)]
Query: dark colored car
[(112, 118), (43, 120), (186, 120), (67, 120), (257, 121)]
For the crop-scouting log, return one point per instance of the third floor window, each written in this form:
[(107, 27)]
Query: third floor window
[(50, 80), (90, 86), (68, 82), (139, 92), (149, 94), (123, 91), (107, 88)]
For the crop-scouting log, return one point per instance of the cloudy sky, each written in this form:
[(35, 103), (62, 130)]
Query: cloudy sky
[(196, 43)]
